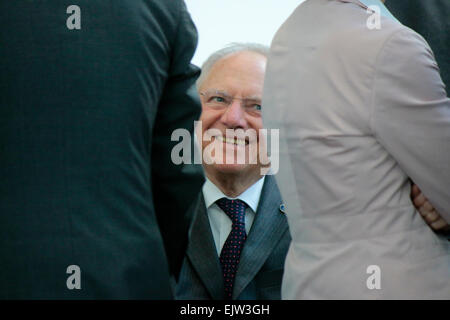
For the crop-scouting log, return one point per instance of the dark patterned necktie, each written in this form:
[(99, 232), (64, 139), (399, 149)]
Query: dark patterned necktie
[(231, 251)]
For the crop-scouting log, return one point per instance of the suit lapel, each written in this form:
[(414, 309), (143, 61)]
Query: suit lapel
[(268, 227), (203, 255)]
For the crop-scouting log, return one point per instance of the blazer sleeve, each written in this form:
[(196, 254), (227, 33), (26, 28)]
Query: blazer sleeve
[(411, 115), (176, 186)]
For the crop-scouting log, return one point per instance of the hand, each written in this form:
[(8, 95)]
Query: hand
[(427, 211)]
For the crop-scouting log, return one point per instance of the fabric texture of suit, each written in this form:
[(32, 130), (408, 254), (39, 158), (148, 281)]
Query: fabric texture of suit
[(261, 264), (430, 18), (360, 112), (86, 117)]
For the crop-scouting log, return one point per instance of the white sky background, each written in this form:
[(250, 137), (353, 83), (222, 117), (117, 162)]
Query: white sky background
[(220, 22)]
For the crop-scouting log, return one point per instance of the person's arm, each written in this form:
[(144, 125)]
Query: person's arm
[(175, 187), (411, 115)]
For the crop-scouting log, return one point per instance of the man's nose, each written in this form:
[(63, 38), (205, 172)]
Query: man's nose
[(234, 116)]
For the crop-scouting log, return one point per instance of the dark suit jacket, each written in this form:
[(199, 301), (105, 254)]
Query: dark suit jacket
[(261, 264), (86, 118), (430, 18)]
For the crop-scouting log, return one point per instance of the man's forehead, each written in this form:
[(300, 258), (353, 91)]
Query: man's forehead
[(234, 74)]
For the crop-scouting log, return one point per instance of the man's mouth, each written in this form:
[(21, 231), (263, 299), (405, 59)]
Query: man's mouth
[(235, 141)]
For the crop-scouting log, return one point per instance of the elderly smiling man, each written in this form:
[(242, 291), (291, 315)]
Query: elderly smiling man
[(230, 88), (240, 237)]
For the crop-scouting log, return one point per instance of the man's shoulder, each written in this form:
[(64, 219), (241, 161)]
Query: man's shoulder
[(333, 28)]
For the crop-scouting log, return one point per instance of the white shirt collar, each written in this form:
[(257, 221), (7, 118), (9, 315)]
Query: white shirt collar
[(251, 196)]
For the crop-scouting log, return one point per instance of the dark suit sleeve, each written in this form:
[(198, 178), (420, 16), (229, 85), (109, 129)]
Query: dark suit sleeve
[(176, 186)]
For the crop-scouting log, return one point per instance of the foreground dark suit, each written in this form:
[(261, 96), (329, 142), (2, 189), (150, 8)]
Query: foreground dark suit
[(260, 268), (430, 18), (86, 118)]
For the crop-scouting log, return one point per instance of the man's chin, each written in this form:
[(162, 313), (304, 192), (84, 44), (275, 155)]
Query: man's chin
[(231, 168), (246, 171)]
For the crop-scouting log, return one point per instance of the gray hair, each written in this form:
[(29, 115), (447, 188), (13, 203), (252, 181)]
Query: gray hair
[(230, 49)]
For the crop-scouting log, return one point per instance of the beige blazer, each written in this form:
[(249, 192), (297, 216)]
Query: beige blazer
[(360, 112)]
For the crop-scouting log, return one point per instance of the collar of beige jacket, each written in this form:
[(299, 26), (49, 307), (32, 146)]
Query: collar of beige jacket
[(366, 4), (355, 2)]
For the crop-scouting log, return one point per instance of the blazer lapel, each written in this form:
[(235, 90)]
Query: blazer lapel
[(203, 255), (268, 227)]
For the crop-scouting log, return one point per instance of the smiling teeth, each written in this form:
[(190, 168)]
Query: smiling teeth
[(232, 140)]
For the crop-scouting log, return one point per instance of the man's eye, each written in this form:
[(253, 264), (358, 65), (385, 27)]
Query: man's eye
[(255, 107), (217, 99)]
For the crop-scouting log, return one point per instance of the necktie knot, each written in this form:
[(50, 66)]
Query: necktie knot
[(234, 209)]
